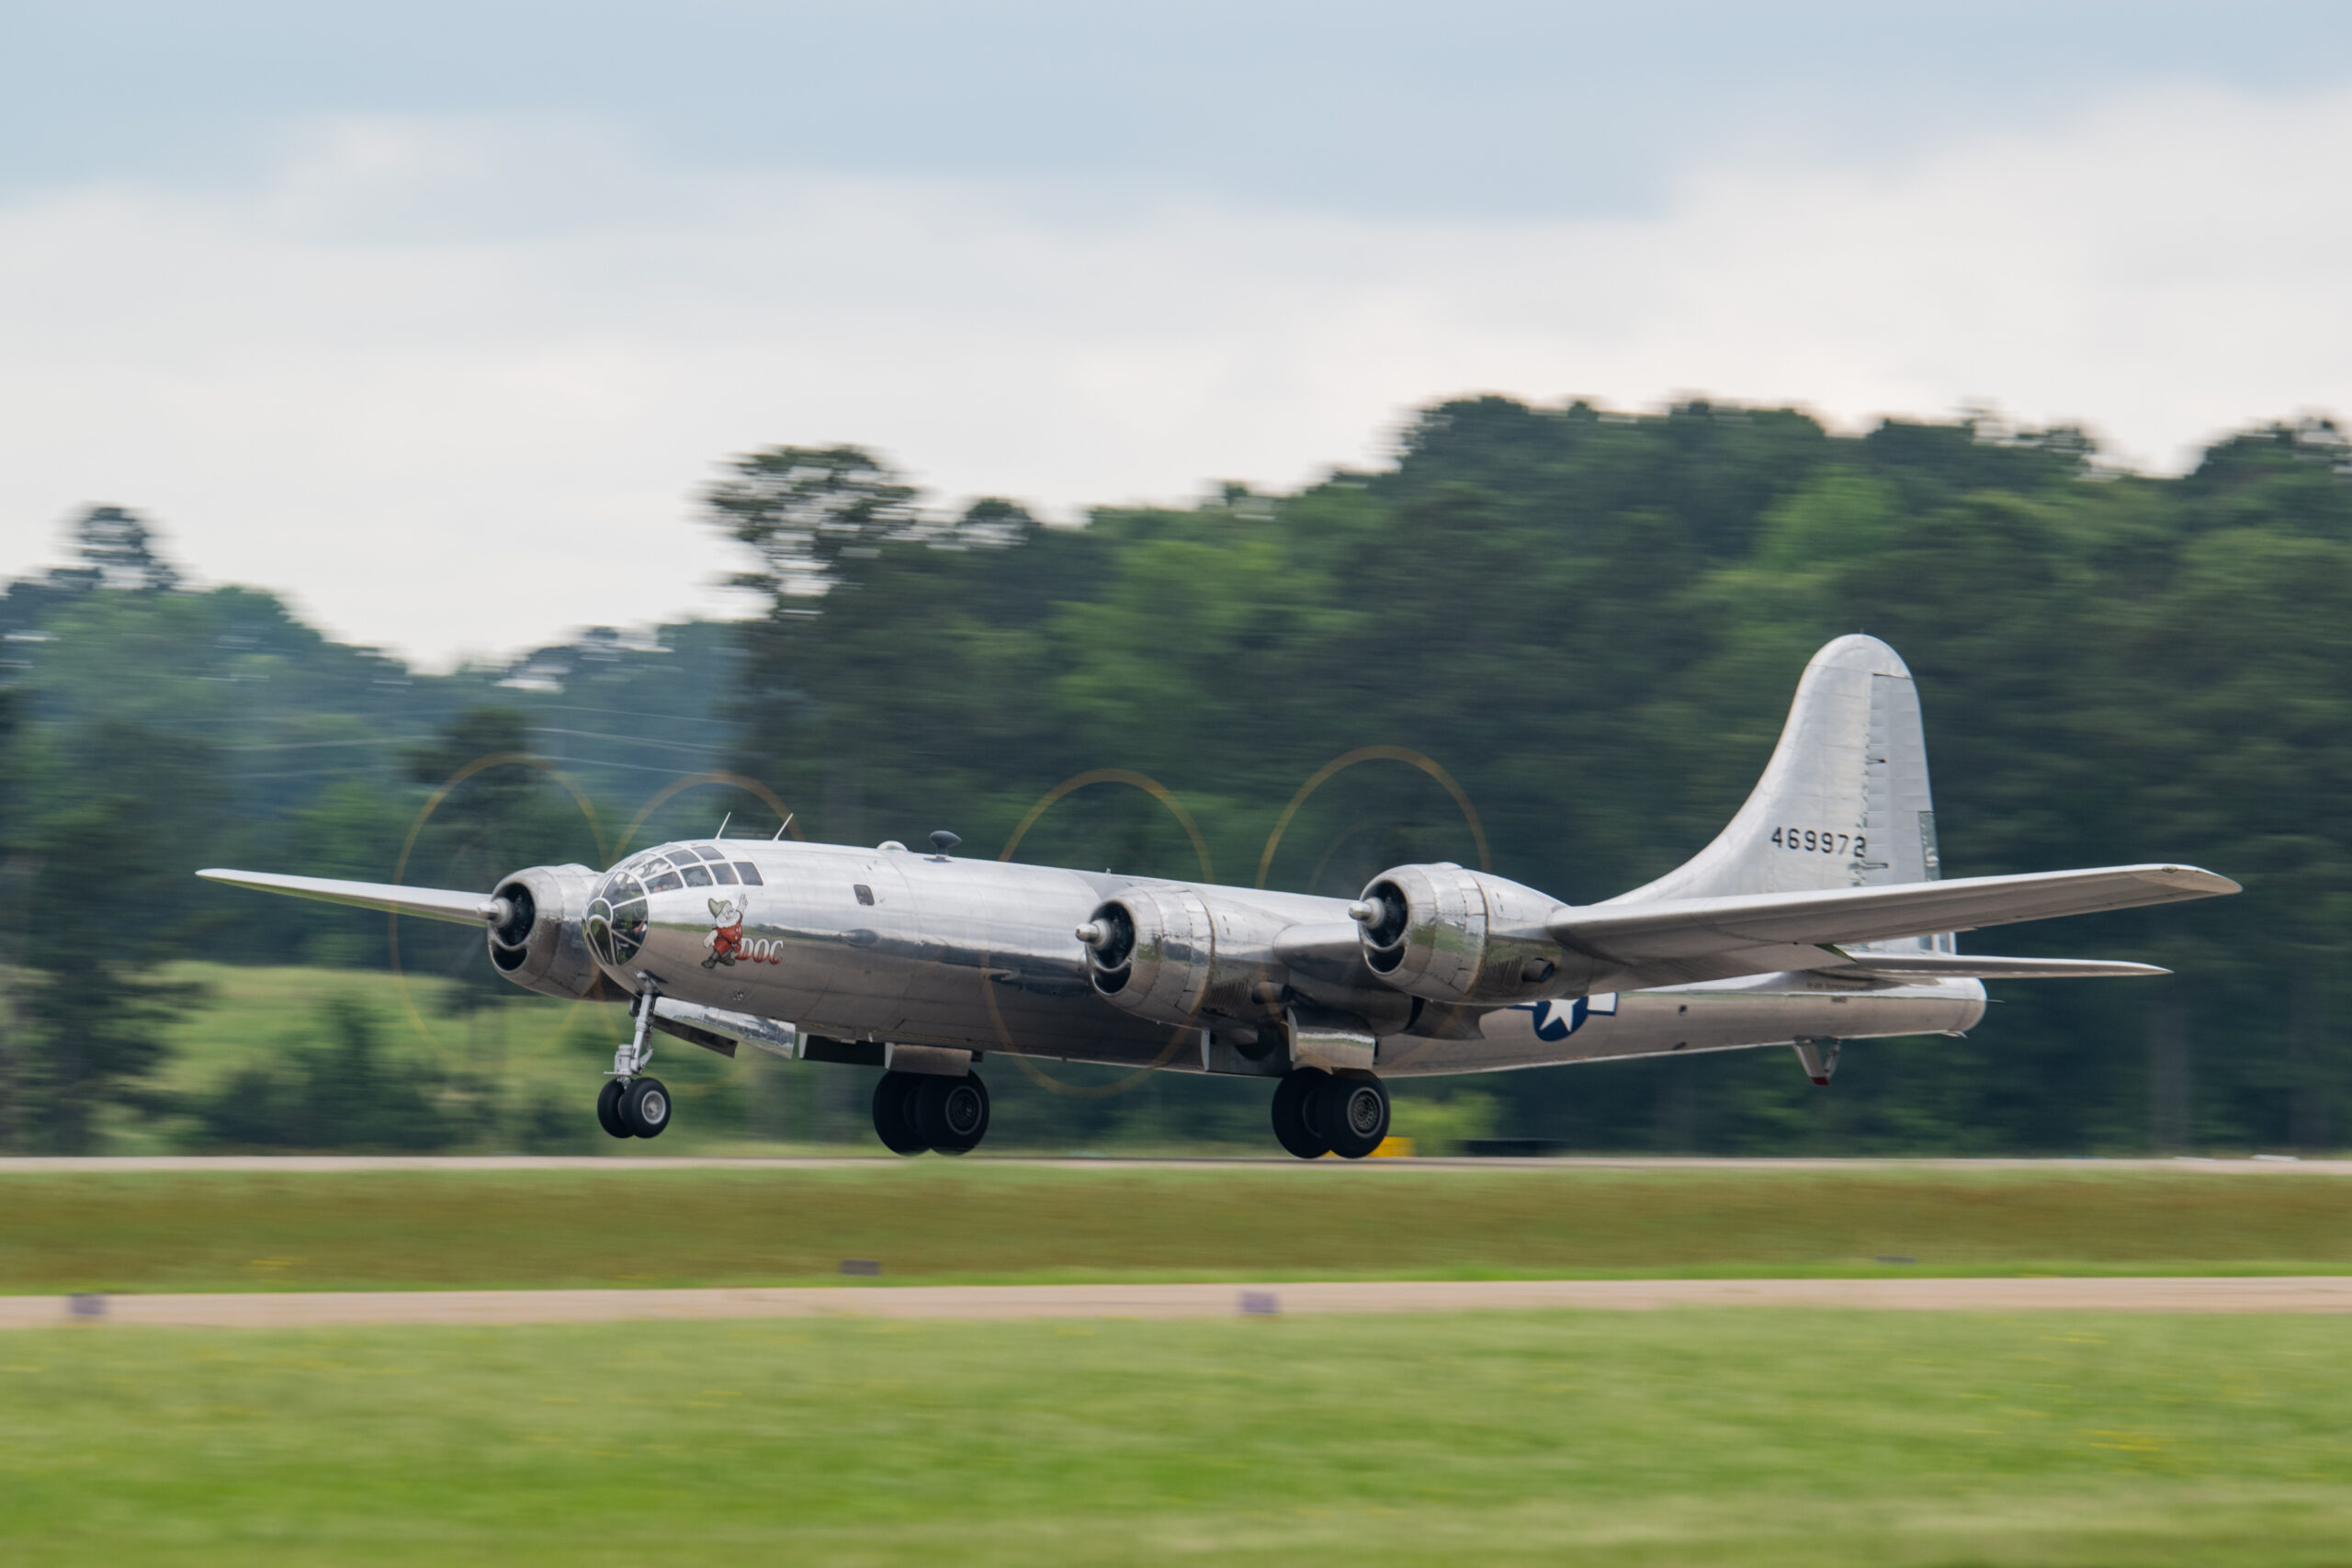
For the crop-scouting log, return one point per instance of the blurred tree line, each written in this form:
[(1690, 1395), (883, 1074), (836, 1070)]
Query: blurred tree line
[(1591, 621), (147, 729), (1594, 622)]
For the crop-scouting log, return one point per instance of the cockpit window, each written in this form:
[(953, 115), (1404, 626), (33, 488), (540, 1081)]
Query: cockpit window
[(616, 917), (691, 865), (749, 872)]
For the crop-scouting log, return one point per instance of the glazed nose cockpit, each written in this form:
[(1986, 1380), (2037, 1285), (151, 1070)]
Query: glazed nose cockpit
[(617, 917)]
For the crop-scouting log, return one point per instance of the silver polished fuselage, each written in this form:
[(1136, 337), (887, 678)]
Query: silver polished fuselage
[(890, 945)]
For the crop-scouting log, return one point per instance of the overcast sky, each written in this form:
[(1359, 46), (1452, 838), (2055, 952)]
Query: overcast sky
[(434, 317)]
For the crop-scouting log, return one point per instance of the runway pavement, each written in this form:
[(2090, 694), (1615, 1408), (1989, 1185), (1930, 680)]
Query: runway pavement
[(325, 1309), (102, 1164)]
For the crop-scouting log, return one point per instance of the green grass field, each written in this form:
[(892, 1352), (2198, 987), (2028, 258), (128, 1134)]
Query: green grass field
[(979, 1221), (1753, 1438)]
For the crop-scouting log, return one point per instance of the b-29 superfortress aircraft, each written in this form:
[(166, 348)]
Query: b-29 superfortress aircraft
[(1818, 915)]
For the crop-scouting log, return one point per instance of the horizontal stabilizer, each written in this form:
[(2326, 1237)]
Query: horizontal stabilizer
[(429, 903), (1976, 966), (1839, 917)]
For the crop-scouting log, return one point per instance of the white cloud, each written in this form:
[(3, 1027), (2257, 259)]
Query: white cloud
[(453, 383)]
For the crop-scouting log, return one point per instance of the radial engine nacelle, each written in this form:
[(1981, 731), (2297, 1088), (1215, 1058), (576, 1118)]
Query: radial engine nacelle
[(1453, 935), (536, 937), (1171, 955)]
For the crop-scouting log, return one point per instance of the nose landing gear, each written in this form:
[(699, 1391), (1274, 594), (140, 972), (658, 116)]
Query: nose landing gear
[(914, 1111), (634, 1108), (631, 1105), (1316, 1114)]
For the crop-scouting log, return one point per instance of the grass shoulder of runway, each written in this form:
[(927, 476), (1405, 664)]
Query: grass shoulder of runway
[(1752, 1436), (980, 1222)]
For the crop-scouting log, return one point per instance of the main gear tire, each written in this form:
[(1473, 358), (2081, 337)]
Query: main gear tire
[(608, 1108), (1291, 1128), (1352, 1111), (893, 1123), (645, 1108), (951, 1115)]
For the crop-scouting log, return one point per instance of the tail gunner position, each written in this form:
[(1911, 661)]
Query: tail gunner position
[(1818, 915)]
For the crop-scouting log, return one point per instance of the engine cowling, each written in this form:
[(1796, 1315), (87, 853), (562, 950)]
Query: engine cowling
[(1171, 954), (538, 940), (1451, 936)]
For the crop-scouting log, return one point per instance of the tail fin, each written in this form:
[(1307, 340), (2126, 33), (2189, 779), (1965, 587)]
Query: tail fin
[(1844, 801)]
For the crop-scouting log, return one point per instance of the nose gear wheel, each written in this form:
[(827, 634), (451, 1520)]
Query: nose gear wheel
[(608, 1108), (645, 1107)]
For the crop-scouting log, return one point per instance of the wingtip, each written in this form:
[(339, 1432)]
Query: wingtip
[(2207, 883)]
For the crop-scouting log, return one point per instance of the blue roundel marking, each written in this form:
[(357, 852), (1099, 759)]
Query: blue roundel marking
[(1557, 1021)]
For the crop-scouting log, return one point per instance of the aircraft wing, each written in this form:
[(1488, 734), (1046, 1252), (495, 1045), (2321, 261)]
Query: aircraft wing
[(429, 903), (1976, 966), (1331, 952), (1681, 928)]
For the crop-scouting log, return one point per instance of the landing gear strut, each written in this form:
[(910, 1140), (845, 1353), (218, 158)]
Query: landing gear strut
[(631, 1105), (914, 1111), (1316, 1114)]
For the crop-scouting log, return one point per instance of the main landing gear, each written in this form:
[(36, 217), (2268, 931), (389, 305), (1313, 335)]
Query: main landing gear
[(1343, 1113), (914, 1111), (631, 1105)]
